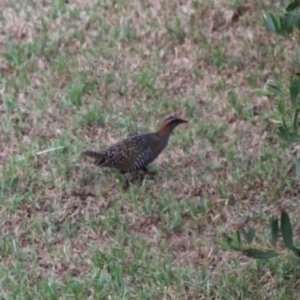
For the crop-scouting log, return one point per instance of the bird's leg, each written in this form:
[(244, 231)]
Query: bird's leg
[(146, 171), (126, 184)]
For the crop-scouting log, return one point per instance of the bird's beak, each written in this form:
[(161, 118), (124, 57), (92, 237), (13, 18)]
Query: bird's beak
[(183, 121)]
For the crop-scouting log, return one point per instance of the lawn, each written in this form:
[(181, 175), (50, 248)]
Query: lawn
[(79, 75)]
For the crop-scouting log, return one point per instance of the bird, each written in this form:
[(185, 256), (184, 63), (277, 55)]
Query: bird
[(136, 152)]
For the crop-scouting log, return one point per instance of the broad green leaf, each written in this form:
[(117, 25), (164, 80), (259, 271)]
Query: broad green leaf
[(271, 22), (249, 235), (293, 137), (295, 119), (260, 254), (274, 89), (281, 107), (275, 120), (288, 136), (284, 124), (298, 167), (294, 89), (229, 240), (292, 6), (274, 230), (224, 245), (292, 21), (296, 251), (282, 133), (286, 230), (238, 236), (287, 22), (232, 243), (261, 92)]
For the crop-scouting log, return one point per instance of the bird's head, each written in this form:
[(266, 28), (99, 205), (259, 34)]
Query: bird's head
[(170, 123)]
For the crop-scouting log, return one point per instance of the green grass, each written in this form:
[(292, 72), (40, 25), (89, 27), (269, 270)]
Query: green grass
[(84, 75)]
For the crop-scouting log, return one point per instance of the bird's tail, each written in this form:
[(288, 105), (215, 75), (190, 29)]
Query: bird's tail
[(99, 157)]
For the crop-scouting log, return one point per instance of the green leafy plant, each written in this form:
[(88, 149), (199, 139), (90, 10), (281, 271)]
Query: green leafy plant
[(286, 112), (277, 226), (285, 23)]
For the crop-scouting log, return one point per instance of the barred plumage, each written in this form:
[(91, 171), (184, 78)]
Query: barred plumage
[(136, 152)]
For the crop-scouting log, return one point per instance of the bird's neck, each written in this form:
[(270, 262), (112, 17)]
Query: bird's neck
[(165, 130)]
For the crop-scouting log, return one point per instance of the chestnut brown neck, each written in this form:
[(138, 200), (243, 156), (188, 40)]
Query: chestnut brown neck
[(167, 127)]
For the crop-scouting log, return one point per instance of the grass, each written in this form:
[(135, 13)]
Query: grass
[(84, 74)]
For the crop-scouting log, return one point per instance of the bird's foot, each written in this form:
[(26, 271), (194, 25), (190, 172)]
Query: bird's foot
[(126, 185)]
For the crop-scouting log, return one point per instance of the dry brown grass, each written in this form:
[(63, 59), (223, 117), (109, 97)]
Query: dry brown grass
[(70, 229)]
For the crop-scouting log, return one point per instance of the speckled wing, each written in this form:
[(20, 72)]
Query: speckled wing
[(131, 154)]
